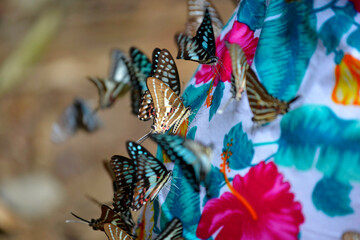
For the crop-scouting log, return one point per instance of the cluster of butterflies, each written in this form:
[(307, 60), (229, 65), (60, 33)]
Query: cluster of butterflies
[(155, 94)]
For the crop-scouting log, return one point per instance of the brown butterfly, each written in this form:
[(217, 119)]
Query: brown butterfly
[(169, 109), (195, 16), (115, 233), (264, 106), (351, 236), (108, 215), (239, 69), (164, 69)]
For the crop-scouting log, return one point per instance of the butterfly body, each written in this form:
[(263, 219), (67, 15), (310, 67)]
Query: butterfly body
[(264, 106), (200, 48), (193, 157)]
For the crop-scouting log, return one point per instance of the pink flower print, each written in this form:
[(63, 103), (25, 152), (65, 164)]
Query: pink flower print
[(278, 215), (239, 34)]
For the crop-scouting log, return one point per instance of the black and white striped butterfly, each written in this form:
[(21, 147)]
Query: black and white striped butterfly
[(173, 231), (201, 48), (77, 116), (164, 69), (264, 106), (115, 233), (239, 68), (195, 14), (143, 175), (193, 157), (118, 81)]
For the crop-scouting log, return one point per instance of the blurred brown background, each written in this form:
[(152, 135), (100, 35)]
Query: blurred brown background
[(47, 49)]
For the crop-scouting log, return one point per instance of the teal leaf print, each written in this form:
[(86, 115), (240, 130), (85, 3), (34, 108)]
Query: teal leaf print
[(287, 41), (216, 181), (218, 94), (194, 97), (354, 39), (191, 133), (238, 148), (252, 13), (332, 197), (334, 28), (182, 202)]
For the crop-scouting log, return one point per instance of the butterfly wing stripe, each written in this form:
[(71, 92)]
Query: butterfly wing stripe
[(173, 230)]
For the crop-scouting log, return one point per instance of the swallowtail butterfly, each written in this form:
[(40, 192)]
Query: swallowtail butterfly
[(115, 233), (264, 106), (200, 48)]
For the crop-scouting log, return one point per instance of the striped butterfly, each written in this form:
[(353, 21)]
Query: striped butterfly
[(173, 231), (77, 116), (115, 233), (169, 110), (264, 106), (239, 69), (193, 157), (195, 16), (108, 215), (164, 69), (121, 73), (350, 236), (200, 48), (144, 178)]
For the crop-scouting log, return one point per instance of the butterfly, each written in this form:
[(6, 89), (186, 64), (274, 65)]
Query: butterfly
[(169, 110), (195, 16), (76, 116), (118, 82), (239, 69), (115, 233), (108, 215), (164, 69), (193, 157), (264, 106), (173, 231), (200, 48), (142, 175)]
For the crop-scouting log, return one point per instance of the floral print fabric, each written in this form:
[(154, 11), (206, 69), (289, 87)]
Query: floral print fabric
[(297, 177)]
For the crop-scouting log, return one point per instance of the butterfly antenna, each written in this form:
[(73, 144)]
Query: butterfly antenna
[(81, 220), (293, 100), (143, 138), (221, 110), (92, 199)]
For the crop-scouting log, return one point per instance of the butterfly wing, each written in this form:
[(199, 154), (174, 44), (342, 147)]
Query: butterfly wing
[(115, 233), (125, 178), (119, 70), (193, 157), (155, 60), (239, 68), (169, 109), (151, 175), (142, 66), (264, 106), (195, 16), (173, 230), (146, 109)]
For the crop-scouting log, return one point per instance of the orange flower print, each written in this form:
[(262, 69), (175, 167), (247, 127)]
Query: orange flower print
[(347, 86)]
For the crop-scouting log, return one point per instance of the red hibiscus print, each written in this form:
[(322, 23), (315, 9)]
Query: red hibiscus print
[(239, 34), (278, 215)]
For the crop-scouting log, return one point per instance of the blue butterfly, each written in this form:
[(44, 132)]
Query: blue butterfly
[(193, 157), (139, 179), (201, 48)]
